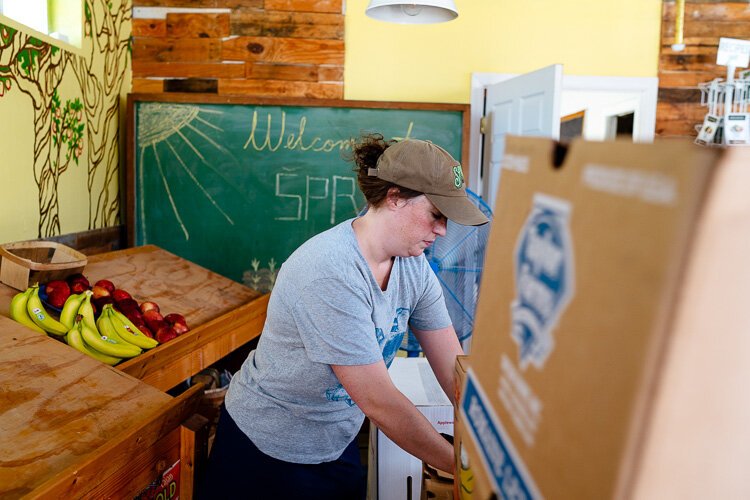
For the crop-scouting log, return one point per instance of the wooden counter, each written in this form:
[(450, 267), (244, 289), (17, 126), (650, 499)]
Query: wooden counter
[(73, 427), (70, 425), (222, 314)]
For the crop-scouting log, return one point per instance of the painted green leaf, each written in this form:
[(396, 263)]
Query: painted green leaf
[(6, 34)]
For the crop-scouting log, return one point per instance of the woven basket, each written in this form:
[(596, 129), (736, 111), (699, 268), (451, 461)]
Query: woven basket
[(28, 262)]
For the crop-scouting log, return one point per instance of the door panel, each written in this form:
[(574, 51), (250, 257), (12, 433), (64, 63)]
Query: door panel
[(528, 104)]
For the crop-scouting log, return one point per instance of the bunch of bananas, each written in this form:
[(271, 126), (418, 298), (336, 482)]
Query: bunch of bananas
[(110, 339), (27, 308)]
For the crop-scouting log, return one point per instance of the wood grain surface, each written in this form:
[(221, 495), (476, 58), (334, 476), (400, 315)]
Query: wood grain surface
[(223, 314), (58, 405)]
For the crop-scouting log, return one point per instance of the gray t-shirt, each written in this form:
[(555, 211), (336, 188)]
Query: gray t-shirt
[(326, 308)]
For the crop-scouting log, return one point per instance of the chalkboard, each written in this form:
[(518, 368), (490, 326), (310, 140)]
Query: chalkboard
[(236, 184)]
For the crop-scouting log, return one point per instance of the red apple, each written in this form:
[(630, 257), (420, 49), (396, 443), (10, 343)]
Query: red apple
[(135, 317), (165, 334), (100, 291), (57, 293), (156, 324), (173, 318), (149, 306), (153, 315), (144, 329), (106, 284), (120, 295), (180, 328), (100, 302), (127, 305), (78, 283), (178, 322)]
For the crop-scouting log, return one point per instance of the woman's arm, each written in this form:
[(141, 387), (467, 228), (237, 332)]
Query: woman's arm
[(371, 388), (441, 348)]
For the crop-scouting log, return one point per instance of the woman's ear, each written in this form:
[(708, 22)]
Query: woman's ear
[(393, 199)]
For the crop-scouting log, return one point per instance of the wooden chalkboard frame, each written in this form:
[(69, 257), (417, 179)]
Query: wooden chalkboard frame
[(130, 156)]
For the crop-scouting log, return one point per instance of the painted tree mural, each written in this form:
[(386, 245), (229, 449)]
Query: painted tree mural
[(62, 129)]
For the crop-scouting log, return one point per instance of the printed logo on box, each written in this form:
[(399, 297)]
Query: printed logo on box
[(544, 278), (501, 460)]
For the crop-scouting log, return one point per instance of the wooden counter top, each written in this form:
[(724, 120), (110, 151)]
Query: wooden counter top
[(222, 314), (57, 406)]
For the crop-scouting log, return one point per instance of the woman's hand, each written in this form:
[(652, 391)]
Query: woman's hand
[(371, 388)]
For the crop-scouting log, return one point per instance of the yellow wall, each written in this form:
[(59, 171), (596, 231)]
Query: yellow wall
[(392, 62), (74, 196)]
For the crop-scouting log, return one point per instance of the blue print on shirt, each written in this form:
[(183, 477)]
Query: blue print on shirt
[(339, 394), (398, 330), (388, 345)]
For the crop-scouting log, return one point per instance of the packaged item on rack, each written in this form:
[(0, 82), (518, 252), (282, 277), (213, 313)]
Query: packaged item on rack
[(707, 132), (737, 128)]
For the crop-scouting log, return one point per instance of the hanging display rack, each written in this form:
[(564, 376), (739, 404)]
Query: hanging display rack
[(727, 121)]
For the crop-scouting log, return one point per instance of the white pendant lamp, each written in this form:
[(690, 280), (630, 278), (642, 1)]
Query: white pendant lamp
[(417, 12)]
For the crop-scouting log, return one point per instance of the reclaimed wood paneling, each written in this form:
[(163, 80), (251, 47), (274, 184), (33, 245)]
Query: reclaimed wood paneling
[(143, 69), (197, 25), (333, 6), (151, 28), (262, 71), (679, 109), (271, 48), (148, 85), (283, 50), (278, 88), (177, 50), (194, 85), (331, 74), (288, 25)]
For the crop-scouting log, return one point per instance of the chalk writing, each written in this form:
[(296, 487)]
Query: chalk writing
[(272, 141), (290, 186)]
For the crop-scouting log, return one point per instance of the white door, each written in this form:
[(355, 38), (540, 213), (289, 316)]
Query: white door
[(528, 104)]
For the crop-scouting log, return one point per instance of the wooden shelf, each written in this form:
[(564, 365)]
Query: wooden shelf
[(71, 426)]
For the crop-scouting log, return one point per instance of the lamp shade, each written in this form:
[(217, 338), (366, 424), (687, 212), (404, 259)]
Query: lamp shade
[(417, 12)]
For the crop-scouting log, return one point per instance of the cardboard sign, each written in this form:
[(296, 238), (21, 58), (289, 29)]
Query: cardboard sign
[(585, 268), (733, 52), (166, 487)]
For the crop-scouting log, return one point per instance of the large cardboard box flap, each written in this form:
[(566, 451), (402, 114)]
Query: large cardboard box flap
[(584, 301)]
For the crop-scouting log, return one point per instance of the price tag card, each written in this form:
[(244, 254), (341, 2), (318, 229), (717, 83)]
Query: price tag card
[(733, 52)]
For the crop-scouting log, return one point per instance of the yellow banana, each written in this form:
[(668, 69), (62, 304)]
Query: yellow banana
[(86, 310), (41, 317), (107, 329), (19, 313), (107, 345), (70, 309), (127, 330), (75, 341)]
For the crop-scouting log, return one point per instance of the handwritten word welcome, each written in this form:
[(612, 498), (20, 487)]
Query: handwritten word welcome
[(272, 141)]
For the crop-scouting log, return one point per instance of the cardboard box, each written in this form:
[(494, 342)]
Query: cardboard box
[(436, 484), (394, 474), (610, 350), (471, 481)]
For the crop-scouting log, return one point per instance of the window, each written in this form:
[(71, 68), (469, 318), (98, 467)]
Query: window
[(59, 20)]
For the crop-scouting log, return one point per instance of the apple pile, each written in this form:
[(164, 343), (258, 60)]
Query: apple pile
[(145, 316), (58, 291)]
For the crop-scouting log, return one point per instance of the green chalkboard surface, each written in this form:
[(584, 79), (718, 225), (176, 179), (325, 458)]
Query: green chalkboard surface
[(236, 184)]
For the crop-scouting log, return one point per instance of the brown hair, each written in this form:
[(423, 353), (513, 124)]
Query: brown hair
[(365, 154)]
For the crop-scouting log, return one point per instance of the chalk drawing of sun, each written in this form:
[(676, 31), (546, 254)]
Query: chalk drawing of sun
[(166, 124)]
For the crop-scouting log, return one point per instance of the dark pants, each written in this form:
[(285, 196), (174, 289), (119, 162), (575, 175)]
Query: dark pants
[(237, 469)]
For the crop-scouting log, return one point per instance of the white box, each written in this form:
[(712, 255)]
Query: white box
[(394, 474)]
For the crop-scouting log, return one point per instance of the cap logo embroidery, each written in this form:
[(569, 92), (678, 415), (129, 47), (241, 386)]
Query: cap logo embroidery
[(458, 177)]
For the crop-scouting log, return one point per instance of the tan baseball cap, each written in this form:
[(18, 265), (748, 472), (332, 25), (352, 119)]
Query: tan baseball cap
[(429, 169)]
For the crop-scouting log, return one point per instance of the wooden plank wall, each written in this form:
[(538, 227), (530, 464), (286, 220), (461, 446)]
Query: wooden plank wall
[(269, 48), (678, 109)]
